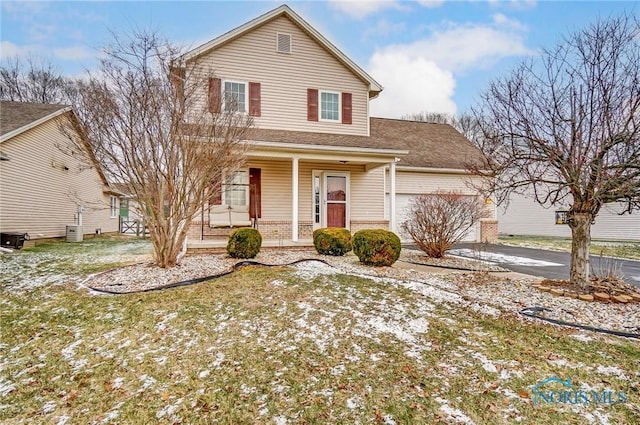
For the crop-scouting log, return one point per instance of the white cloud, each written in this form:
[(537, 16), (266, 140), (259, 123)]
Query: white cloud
[(514, 4), (501, 20), (359, 9), (75, 53), (384, 28), (410, 85), (431, 3), (10, 50), (461, 47), (420, 76)]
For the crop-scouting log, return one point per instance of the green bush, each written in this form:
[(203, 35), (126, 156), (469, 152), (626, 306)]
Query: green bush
[(376, 247), (332, 241), (244, 243)]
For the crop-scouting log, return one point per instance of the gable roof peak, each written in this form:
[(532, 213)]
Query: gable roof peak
[(284, 10)]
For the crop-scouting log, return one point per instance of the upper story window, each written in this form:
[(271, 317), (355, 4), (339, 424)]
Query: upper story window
[(235, 96), (329, 106)]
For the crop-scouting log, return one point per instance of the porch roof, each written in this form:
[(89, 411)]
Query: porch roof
[(415, 144)]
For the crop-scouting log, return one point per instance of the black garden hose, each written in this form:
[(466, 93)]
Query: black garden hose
[(533, 313), (236, 266), (529, 311)]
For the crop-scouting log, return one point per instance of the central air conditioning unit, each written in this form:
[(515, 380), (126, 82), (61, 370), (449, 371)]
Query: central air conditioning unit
[(74, 233)]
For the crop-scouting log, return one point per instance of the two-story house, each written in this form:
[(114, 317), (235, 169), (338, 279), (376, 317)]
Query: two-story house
[(316, 158)]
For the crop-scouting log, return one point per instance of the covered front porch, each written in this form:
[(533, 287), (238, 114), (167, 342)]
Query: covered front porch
[(286, 191)]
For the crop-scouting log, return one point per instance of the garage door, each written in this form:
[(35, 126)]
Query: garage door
[(402, 213)]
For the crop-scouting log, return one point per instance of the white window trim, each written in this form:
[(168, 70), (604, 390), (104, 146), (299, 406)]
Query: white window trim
[(320, 105), (224, 191), (246, 96), (113, 207), (314, 174)]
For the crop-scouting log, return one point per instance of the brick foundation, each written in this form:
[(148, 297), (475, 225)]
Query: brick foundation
[(276, 229), (362, 225), (489, 231)]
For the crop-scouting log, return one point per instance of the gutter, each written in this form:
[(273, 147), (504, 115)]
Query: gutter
[(325, 148)]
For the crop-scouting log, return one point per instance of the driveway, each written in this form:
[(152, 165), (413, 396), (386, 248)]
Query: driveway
[(539, 262)]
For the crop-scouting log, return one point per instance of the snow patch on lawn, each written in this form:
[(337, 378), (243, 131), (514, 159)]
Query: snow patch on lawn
[(454, 414), (612, 370), (502, 258)]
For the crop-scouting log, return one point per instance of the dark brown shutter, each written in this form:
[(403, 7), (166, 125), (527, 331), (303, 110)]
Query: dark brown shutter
[(346, 108), (255, 193), (312, 105), (215, 95), (177, 80), (254, 99), (216, 198)]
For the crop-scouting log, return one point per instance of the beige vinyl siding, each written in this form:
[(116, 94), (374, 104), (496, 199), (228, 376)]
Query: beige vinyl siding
[(39, 197), (523, 216), (285, 78), (276, 188), (421, 182), (367, 199)]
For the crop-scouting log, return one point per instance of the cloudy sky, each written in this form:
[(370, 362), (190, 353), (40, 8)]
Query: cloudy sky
[(430, 55)]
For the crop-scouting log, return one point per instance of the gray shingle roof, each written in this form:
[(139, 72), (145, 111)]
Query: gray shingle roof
[(15, 115), (430, 145)]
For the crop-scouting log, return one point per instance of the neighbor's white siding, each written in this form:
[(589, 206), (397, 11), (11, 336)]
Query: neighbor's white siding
[(38, 196), (285, 78), (523, 216)]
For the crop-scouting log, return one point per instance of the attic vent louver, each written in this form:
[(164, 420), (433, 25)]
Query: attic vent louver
[(283, 42)]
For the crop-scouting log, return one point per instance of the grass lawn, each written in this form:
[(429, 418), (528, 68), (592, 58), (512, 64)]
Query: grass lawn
[(292, 345), (620, 249)]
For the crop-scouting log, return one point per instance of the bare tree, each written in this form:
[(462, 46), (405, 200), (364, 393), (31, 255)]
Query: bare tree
[(438, 221), (465, 123), (565, 127), (34, 80), (142, 115)]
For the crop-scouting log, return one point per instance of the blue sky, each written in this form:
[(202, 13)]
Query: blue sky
[(429, 55)]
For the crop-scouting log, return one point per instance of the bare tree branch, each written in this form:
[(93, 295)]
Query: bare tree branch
[(566, 127), (143, 118)]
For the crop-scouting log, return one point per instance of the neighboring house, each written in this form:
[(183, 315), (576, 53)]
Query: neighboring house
[(524, 216), (45, 184), (317, 159)]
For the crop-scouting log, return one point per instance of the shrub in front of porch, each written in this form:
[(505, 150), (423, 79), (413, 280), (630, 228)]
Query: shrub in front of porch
[(332, 241), (244, 243), (376, 247)]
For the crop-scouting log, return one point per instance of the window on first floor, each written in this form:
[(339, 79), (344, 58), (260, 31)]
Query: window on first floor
[(113, 206), (316, 199), (236, 189), (235, 96), (329, 106)]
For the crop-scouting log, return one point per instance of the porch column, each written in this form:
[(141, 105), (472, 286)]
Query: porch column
[(294, 197), (392, 197)]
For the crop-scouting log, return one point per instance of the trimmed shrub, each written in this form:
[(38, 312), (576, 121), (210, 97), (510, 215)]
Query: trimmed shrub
[(332, 241), (244, 243), (376, 247)]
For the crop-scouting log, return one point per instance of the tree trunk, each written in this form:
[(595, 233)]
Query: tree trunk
[(580, 241)]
